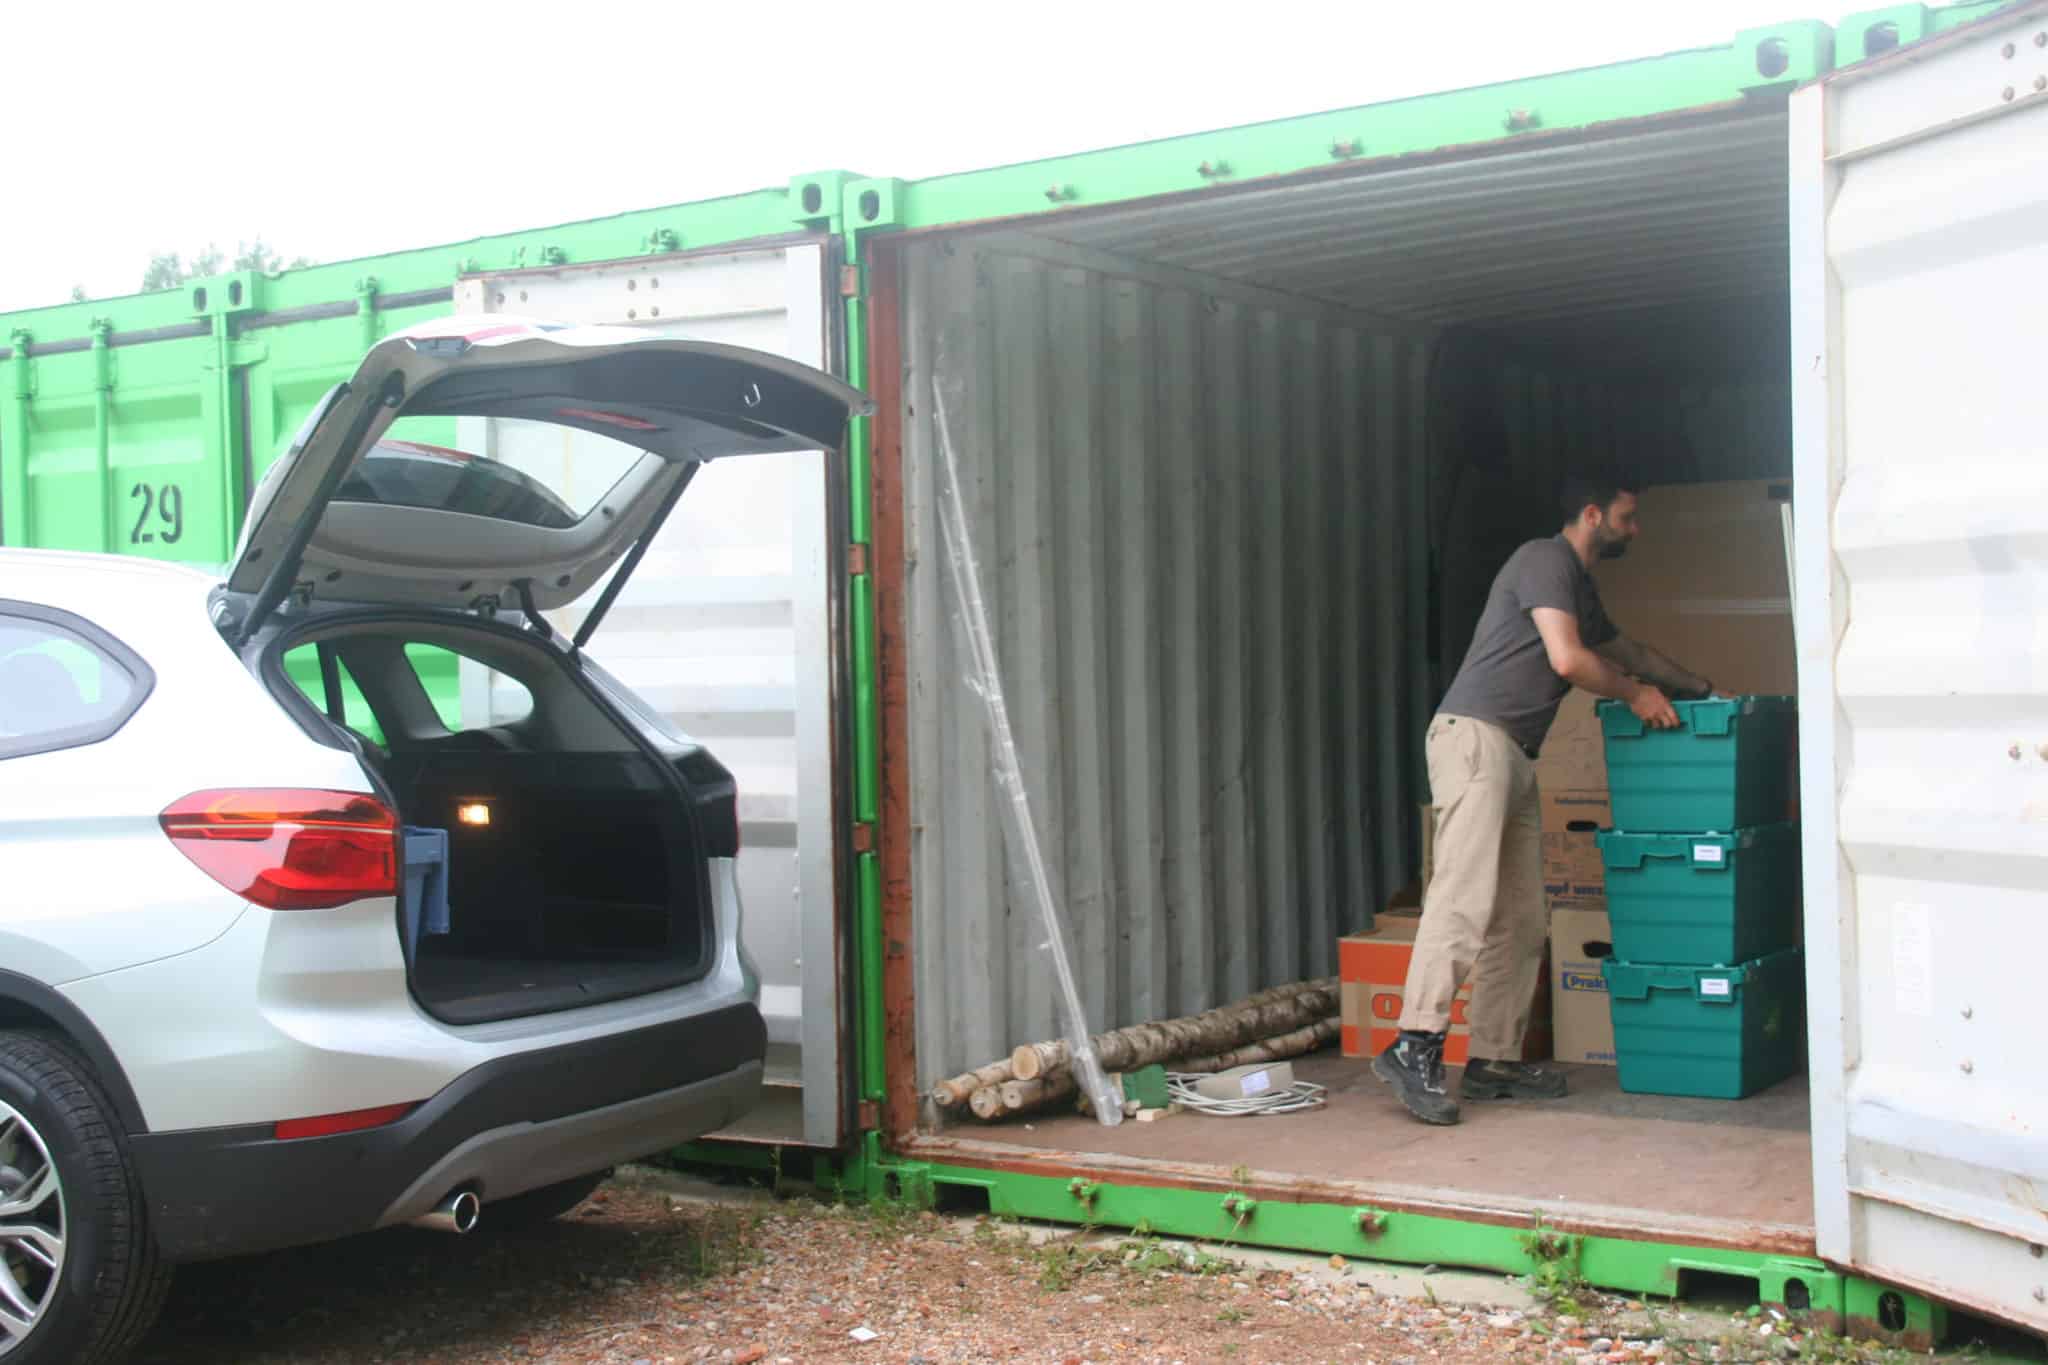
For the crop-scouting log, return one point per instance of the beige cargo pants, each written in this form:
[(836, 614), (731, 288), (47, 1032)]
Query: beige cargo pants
[(1482, 912)]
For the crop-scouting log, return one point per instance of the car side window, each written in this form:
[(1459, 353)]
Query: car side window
[(497, 698), (63, 681), (302, 666)]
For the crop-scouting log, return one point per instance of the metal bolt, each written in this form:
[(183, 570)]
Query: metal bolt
[(1344, 147), (2040, 84), (2040, 1294), (1209, 170), (2041, 39), (1059, 193), (2014, 752), (2009, 92), (1969, 1013), (1969, 1067), (2007, 51)]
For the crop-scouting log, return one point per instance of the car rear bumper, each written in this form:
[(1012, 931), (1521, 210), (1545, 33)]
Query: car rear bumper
[(508, 1126)]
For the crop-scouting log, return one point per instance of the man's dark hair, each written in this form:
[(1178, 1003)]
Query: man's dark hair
[(1578, 491)]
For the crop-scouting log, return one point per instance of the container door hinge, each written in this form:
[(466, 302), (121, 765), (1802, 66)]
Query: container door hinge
[(869, 1117), (849, 282), (856, 560), (864, 837)]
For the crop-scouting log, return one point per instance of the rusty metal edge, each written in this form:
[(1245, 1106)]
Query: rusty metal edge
[(887, 563)]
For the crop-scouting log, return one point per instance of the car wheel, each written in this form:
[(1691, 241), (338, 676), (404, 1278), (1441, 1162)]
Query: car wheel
[(80, 1279), (524, 1212)]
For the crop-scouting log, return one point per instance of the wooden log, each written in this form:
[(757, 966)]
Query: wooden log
[(958, 1091), (987, 1102), (1276, 1009), (1295, 1044), (1019, 1095)]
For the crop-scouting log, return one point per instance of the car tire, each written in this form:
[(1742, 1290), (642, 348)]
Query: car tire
[(88, 1296), (537, 1208)]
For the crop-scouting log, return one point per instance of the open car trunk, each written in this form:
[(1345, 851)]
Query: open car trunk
[(585, 885), (555, 856)]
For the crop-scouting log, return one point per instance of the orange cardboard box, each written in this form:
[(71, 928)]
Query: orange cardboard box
[(1372, 972)]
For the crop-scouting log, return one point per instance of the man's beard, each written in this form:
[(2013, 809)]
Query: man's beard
[(1613, 549)]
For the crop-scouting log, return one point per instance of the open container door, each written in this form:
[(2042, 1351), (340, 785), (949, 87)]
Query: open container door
[(725, 627), (1919, 216)]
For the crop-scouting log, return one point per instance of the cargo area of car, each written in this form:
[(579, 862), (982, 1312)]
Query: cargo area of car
[(1239, 469), (567, 856)]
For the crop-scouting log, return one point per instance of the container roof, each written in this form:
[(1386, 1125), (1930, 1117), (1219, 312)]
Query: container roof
[(1620, 243)]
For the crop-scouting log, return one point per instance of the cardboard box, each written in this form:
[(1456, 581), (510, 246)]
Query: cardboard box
[(1581, 1027), (1373, 976), (1573, 874), (1705, 582)]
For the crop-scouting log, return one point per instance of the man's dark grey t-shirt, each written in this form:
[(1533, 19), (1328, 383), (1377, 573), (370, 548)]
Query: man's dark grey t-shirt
[(1506, 678)]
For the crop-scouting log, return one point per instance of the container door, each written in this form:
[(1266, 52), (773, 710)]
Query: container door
[(1919, 219), (725, 627)]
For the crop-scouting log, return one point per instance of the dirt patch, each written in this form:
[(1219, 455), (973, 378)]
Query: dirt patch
[(641, 1276)]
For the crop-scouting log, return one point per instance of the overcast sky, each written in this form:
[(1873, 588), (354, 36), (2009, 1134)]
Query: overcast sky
[(337, 131)]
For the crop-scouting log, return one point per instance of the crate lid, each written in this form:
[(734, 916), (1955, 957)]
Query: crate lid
[(1707, 850), (1710, 985), (1713, 717)]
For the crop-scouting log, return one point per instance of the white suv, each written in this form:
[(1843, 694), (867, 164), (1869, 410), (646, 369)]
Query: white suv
[(349, 891)]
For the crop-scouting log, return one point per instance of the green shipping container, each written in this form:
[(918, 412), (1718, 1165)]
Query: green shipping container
[(1702, 898), (1715, 1032), (1727, 766)]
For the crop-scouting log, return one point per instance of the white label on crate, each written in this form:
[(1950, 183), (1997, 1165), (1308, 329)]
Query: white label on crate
[(1258, 1083), (1708, 853), (1715, 985), (1913, 960)]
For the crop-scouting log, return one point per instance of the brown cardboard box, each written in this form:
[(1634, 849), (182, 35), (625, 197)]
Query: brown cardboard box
[(1582, 1030), (1705, 582), (1373, 975), (1573, 873)]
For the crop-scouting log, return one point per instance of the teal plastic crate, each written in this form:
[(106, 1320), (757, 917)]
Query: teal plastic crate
[(1702, 898), (1715, 1032), (1728, 765)]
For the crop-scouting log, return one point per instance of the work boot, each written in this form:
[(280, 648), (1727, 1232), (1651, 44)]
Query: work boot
[(1414, 1066), (1486, 1079)]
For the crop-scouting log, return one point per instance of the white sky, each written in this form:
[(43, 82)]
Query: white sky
[(337, 131)]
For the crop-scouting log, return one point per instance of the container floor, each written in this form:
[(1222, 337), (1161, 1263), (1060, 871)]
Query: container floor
[(1710, 1171)]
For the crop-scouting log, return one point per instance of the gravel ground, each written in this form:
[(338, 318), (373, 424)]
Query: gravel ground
[(641, 1275)]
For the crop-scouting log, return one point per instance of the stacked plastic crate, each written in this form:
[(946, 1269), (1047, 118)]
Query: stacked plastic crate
[(1707, 983)]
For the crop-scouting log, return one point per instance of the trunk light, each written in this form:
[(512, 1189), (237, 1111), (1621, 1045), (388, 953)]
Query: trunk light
[(354, 1121), (473, 813), (287, 848)]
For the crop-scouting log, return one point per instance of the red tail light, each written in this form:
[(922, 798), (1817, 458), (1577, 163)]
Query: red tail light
[(289, 849)]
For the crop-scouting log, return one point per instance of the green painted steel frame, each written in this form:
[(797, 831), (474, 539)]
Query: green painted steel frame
[(1828, 1298)]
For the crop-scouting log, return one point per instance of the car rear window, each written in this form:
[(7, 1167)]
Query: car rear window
[(536, 474)]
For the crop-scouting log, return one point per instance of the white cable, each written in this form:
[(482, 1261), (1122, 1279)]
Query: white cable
[(1298, 1098)]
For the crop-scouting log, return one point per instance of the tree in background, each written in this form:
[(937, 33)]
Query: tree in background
[(168, 269)]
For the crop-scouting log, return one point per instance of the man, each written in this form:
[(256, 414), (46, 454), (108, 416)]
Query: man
[(1542, 632)]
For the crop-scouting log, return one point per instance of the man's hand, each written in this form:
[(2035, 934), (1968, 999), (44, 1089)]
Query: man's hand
[(1653, 708)]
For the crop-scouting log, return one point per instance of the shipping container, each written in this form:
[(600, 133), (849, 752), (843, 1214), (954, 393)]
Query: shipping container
[(1246, 421), (1242, 439)]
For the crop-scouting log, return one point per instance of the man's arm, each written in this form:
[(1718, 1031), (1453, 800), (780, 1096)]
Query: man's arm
[(1582, 667), (1638, 660)]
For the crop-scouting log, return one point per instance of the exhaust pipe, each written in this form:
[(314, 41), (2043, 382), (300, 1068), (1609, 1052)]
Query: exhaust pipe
[(458, 1213)]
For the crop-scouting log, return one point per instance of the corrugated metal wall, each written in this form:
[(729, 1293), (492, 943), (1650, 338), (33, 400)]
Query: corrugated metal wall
[(1199, 514)]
